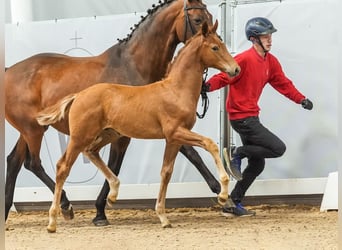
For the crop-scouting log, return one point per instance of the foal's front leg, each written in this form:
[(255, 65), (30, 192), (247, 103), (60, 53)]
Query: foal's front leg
[(170, 154)]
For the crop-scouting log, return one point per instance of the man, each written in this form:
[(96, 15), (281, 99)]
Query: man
[(258, 67)]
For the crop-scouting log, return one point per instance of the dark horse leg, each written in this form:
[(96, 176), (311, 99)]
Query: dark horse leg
[(14, 162), (117, 153), (32, 163), (116, 157)]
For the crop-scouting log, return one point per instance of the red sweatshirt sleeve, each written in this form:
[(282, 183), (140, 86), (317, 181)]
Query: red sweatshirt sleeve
[(222, 79), (218, 81), (282, 84)]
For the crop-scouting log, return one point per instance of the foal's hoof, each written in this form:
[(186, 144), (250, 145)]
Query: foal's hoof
[(110, 202), (221, 201), (166, 223), (51, 229), (167, 226), (68, 213)]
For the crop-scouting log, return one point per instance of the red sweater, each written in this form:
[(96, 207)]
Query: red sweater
[(246, 88)]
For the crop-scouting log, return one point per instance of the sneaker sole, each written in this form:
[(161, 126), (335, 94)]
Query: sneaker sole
[(228, 214), (226, 157), (234, 215)]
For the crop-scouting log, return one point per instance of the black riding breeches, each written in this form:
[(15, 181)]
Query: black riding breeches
[(258, 143)]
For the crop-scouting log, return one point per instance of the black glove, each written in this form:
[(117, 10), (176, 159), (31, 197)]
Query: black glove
[(307, 104), (205, 87)]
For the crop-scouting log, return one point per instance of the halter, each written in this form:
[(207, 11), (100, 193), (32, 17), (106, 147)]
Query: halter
[(205, 99), (187, 18)]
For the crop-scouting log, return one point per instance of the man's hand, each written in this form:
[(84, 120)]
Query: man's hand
[(205, 87), (307, 104)]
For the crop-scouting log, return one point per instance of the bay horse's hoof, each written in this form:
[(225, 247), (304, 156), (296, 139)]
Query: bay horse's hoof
[(68, 213), (101, 223)]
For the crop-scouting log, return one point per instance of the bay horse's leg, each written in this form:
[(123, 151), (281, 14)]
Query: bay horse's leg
[(170, 154), (15, 159), (33, 164), (14, 162), (116, 156), (197, 161)]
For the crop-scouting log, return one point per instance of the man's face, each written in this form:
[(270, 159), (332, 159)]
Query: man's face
[(266, 41)]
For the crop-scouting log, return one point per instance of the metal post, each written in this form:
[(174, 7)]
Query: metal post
[(232, 7), (223, 92), (227, 34), (21, 11)]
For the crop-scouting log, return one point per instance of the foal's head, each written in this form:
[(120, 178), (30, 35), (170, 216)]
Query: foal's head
[(214, 53)]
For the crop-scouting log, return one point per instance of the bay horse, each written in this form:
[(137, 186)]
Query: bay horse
[(139, 59), (105, 112)]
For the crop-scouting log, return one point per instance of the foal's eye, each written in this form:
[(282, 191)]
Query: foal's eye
[(215, 48)]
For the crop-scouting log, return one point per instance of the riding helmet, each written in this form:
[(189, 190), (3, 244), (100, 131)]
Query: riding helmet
[(259, 26)]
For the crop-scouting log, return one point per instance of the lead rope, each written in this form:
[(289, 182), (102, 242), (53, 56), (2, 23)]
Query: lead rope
[(204, 96)]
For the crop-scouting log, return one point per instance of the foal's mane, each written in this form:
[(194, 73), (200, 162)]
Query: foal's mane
[(150, 12)]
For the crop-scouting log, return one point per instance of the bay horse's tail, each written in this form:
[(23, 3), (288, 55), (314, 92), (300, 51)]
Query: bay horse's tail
[(56, 112)]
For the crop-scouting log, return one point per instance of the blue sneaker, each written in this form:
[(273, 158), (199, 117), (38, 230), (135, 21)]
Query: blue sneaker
[(234, 166), (237, 210)]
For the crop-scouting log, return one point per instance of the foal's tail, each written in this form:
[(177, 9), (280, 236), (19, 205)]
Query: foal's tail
[(56, 112)]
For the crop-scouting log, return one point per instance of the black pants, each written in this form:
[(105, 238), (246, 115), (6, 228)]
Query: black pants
[(258, 143)]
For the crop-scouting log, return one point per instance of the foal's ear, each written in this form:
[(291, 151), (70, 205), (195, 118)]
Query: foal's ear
[(214, 28), (205, 29)]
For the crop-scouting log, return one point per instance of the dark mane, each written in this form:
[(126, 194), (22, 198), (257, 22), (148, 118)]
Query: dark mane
[(154, 9)]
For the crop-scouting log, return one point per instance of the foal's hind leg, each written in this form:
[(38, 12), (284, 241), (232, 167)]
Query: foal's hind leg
[(117, 153), (63, 169), (170, 154), (112, 180)]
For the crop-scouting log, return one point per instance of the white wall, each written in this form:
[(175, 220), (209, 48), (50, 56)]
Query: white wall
[(17, 10)]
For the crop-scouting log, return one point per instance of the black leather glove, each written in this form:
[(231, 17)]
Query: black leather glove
[(205, 87), (307, 104)]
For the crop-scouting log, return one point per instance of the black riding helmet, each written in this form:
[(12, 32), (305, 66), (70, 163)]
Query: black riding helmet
[(258, 26)]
